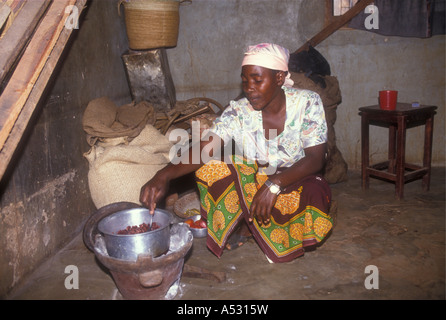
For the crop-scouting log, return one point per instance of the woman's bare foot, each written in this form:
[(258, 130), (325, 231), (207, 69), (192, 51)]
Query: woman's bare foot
[(239, 237)]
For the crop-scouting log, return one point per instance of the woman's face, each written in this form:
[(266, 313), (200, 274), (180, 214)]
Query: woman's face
[(260, 85)]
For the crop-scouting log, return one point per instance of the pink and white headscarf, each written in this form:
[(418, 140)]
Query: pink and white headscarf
[(271, 56)]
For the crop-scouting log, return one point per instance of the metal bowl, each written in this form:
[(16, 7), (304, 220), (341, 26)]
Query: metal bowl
[(129, 246), (198, 232)]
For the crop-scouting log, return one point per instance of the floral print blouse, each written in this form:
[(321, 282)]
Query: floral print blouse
[(305, 126)]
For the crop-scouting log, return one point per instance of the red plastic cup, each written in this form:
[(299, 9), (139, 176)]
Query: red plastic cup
[(387, 99)]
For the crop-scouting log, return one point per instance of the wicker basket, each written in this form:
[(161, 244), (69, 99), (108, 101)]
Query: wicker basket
[(151, 24)]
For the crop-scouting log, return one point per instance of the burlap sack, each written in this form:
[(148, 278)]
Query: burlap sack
[(103, 119), (117, 172), (330, 95), (336, 167)]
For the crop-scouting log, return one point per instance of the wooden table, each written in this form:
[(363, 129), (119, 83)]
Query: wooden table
[(396, 169)]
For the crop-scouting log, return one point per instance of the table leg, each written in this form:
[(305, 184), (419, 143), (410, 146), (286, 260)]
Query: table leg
[(400, 157), (364, 150), (427, 155), (392, 148)]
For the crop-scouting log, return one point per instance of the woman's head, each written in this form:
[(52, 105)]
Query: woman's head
[(264, 71), (261, 85), (271, 56)]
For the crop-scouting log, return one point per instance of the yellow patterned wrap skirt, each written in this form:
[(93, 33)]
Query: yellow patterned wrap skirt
[(299, 218)]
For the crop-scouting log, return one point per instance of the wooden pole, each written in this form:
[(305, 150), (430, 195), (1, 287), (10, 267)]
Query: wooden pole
[(31, 76), (335, 25)]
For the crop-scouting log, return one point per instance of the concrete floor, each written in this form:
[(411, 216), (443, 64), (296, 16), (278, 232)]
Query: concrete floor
[(405, 240)]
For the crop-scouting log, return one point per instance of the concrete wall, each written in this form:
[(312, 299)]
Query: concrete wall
[(44, 198), (214, 34)]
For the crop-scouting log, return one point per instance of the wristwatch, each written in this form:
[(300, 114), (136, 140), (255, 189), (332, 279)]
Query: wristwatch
[(274, 188)]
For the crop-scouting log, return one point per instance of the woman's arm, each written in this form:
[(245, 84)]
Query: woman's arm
[(312, 163), (156, 189), (264, 200)]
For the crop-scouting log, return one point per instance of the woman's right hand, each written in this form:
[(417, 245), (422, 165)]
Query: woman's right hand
[(154, 190)]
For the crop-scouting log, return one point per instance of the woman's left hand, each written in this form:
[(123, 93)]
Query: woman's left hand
[(262, 205)]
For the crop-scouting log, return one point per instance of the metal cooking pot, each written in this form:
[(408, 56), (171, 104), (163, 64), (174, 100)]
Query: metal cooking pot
[(129, 246)]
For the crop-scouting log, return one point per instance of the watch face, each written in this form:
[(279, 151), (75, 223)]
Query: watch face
[(274, 189)]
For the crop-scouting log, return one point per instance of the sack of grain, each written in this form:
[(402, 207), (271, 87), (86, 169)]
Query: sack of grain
[(117, 172), (103, 119)]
